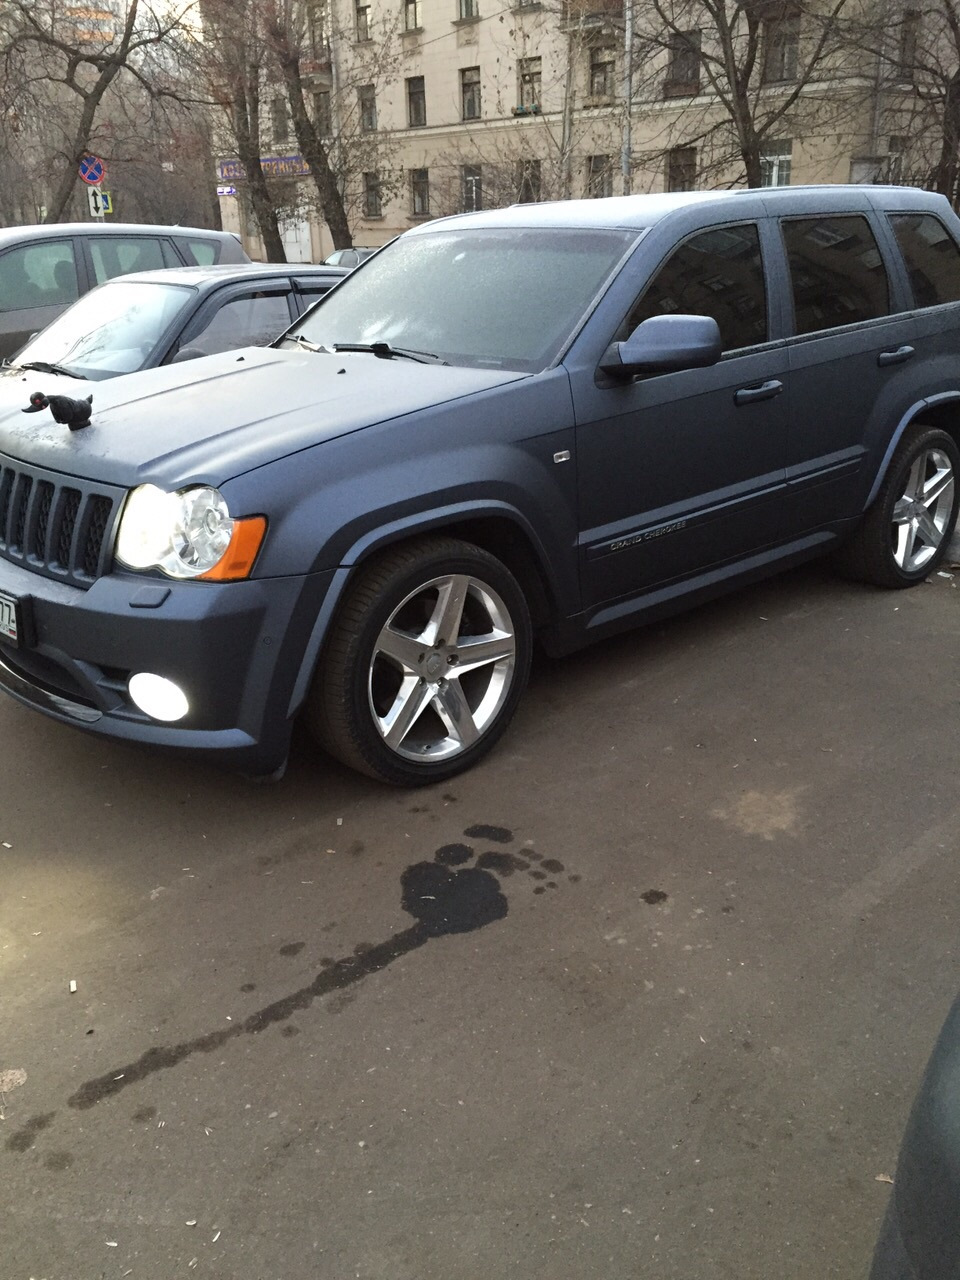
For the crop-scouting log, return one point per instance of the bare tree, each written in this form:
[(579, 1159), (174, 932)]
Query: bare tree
[(737, 70), (916, 52), (232, 55), (340, 143), (83, 53)]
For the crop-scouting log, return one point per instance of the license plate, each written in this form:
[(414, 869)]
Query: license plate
[(9, 629)]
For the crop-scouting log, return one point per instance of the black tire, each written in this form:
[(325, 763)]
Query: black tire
[(877, 551), (451, 693)]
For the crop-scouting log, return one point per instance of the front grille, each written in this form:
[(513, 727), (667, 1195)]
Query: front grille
[(60, 529)]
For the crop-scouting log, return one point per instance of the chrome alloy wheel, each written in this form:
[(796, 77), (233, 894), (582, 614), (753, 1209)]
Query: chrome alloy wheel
[(442, 668), (922, 514)]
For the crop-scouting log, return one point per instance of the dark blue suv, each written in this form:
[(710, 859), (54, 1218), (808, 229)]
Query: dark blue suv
[(545, 422)]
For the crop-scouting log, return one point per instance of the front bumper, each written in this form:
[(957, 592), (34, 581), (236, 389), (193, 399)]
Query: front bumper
[(236, 649)]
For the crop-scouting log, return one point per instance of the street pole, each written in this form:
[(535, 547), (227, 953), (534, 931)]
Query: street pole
[(625, 149)]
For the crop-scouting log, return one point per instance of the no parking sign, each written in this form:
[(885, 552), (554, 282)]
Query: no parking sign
[(92, 170)]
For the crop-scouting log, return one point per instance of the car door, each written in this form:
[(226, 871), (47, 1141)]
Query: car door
[(851, 337), (682, 471), (38, 280), (244, 316)]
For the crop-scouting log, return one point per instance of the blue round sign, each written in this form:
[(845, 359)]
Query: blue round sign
[(92, 170)]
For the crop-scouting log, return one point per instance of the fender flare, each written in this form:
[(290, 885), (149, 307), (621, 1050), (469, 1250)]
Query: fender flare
[(386, 535), (943, 397)]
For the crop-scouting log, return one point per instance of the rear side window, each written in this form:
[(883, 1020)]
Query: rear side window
[(836, 271), (931, 255), (119, 255), (203, 252), (718, 273), (38, 275)]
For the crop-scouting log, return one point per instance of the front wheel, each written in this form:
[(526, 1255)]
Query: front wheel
[(425, 663), (905, 534)]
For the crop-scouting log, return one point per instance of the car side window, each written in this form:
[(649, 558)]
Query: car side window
[(717, 273), (836, 272), (251, 320), (38, 275), (202, 252), (931, 255), (119, 255)]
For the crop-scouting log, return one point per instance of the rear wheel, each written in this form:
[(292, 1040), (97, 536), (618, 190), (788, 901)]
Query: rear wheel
[(904, 536), (425, 664)]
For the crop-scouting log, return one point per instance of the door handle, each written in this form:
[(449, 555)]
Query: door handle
[(766, 391), (894, 357)]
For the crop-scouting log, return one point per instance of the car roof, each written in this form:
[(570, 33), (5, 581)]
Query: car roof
[(642, 211), (198, 277), (48, 230)]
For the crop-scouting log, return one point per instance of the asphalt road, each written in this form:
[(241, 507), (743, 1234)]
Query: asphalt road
[(648, 993)]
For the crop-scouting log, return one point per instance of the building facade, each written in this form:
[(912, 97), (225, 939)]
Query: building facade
[(432, 107)]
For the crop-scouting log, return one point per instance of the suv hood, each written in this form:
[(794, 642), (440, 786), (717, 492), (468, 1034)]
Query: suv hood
[(211, 419)]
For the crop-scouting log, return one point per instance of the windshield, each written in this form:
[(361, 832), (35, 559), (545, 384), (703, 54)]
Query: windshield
[(113, 329), (500, 298)]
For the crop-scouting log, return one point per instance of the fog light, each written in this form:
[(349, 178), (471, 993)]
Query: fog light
[(157, 697)]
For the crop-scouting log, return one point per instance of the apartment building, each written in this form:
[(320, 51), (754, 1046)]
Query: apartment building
[(432, 107)]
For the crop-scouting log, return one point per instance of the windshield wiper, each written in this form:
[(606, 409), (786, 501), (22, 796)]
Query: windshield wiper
[(384, 351), (44, 366)]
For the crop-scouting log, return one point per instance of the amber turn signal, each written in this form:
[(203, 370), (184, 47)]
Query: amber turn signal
[(237, 560)]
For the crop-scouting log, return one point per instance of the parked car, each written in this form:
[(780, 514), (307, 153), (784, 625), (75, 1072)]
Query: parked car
[(550, 421), (919, 1238), (151, 318), (44, 269), (348, 257)]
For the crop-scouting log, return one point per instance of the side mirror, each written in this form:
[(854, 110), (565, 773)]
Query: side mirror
[(665, 344)]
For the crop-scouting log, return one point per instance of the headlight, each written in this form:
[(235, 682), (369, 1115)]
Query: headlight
[(188, 534)]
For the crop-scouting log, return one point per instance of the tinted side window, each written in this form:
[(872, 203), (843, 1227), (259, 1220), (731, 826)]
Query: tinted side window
[(202, 252), (837, 273), (718, 273), (38, 275), (119, 255), (931, 255), (253, 320)]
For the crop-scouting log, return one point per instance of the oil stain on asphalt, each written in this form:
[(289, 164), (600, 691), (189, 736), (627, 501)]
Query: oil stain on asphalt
[(454, 893)]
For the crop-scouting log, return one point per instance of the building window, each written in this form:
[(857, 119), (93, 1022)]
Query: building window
[(363, 22), (319, 20), (372, 206), (412, 16), (599, 176), (907, 50), (322, 118), (279, 120), (683, 65), (529, 82), (775, 158), (781, 48), (420, 192), (682, 169), (470, 93), (416, 102), (896, 148), (602, 70), (471, 188), (528, 180), (467, 9), (367, 96)]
